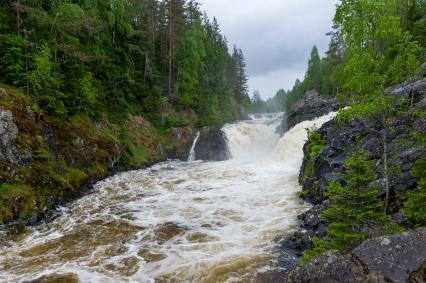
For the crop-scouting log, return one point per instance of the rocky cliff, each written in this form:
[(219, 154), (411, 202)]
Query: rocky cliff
[(399, 258), (212, 145), (46, 161), (311, 105)]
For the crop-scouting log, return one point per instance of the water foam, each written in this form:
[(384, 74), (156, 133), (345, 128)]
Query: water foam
[(176, 221)]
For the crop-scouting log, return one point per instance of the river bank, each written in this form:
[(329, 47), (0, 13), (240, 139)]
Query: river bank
[(190, 221), (48, 161), (317, 171)]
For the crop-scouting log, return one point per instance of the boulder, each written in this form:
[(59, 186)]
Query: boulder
[(330, 267), (181, 141), (311, 105), (395, 257), (212, 145)]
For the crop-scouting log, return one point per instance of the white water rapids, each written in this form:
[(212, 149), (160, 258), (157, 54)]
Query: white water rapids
[(176, 221)]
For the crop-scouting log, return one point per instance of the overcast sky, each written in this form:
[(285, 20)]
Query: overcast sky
[(276, 36)]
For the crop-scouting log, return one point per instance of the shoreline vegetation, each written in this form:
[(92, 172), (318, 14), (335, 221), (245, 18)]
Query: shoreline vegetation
[(89, 88)]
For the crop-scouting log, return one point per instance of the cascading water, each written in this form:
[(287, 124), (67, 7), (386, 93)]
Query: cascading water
[(191, 156), (176, 221)]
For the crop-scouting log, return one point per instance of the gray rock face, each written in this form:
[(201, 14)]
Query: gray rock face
[(8, 135), (395, 257), (312, 105), (338, 139), (317, 172), (212, 145), (330, 267), (181, 138)]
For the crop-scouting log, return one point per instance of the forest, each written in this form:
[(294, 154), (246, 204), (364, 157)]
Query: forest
[(373, 45), (165, 60)]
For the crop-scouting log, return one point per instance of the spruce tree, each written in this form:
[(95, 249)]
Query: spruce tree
[(355, 207), (313, 75), (356, 212)]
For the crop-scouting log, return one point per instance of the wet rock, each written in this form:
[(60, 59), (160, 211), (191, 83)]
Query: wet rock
[(212, 145), (316, 173), (295, 243), (330, 267), (396, 257), (312, 105), (181, 142), (311, 220), (8, 135), (47, 132), (33, 219)]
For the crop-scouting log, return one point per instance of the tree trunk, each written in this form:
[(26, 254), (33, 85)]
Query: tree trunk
[(146, 65), (170, 52), (18, 17), (27, 83), (385, 170)]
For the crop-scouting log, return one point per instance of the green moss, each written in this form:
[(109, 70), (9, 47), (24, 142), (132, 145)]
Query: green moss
[(140, 156), (309, 168), (315, 144), (84, 151), (319, 248), (21, 196)]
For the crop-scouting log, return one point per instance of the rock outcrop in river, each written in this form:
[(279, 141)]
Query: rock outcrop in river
[(211, 145), (311, 105), (45, 162)]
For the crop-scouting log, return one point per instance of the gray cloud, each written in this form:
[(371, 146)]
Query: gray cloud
[(276, 36)]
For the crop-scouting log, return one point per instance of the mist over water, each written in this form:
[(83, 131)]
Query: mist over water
[(176, 221)]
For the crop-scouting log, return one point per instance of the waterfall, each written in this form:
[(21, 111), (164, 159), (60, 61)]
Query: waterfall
[(258, 139), (176, 221), (260, 116), (191, 156)]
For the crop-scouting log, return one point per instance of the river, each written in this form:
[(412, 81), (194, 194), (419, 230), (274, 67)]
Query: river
[(176, 221)]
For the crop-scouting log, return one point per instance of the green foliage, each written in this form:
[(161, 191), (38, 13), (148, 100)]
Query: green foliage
[(45, 81), (406, 62), (172, 119), (377, 51), (380, 108), (313, 74), (319, 248), (12, 60), (191, 54), (356, 213), (315, 143), (122, 57), (415, 207)]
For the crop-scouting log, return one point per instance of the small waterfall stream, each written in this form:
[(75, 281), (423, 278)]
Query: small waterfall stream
[(176, 221), (191, 156)]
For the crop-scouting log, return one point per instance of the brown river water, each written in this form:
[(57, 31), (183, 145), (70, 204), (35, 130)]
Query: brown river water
[(176, 221)]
